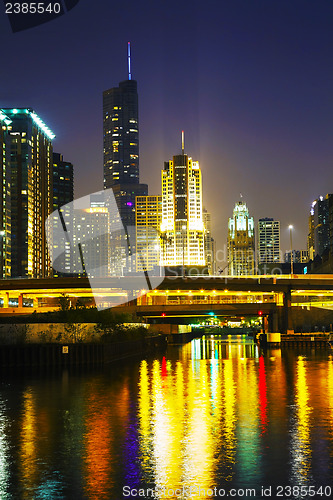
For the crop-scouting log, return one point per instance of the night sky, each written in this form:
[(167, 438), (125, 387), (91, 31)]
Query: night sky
[(249, 81)]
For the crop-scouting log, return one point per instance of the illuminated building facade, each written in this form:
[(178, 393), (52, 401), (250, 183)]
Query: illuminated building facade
[(121, 159), (209, 242), (310, 238), (241, 245), (5, 223), (121, 134), (148, 212), (319, 234), (31, 198), (268, 241), (63, 193), (121, 146), (182, 227), (63, 181), (92, 232), (299, 256)]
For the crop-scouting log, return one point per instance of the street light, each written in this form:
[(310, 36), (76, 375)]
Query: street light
[(183, 229), (291, 250)]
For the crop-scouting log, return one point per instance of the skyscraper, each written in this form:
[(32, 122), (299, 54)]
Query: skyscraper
[(5, 222), (182, 227), (319, 226), (310, 238), (121, 146), (148, 213), (31, 201), (63, 194), (241, 249), (63, 181), (268, 241), (88, 223), (209, 242)]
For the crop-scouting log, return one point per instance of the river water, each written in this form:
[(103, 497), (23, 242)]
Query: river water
[(208, 419)]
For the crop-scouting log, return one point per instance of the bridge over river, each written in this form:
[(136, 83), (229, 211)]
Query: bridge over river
[(178, 298)]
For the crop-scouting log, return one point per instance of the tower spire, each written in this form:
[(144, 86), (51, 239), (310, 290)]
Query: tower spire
[(129, 60), (183, 142)]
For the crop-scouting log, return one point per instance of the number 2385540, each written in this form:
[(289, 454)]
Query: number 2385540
[(33, 8)]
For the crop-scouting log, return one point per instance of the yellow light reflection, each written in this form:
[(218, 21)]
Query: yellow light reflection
[(144, 402), (167, 428), (28, 445), (97, 443), (248, 414), (301, 448), (330, 389), (200, 442), (229, 418)]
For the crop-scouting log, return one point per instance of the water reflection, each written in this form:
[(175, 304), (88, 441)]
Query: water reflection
[(228, 422), (301, 449), (29, 470), (330, 396), (4, 451), (97, 444), (211, 413)]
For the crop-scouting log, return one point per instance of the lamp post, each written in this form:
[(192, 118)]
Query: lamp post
[(291, 250), (183, 229)]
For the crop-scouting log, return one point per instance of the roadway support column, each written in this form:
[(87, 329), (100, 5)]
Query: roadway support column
[(20, 300), (35, 301), (6, 300), (273, 322), (288, 322)]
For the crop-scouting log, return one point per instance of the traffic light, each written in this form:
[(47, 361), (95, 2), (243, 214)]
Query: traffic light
[(163, 315), (260, 313)]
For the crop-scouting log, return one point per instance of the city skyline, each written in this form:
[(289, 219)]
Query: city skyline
[(263, 129)]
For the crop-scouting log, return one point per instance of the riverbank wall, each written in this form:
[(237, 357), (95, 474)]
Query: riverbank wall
[(75, 354)]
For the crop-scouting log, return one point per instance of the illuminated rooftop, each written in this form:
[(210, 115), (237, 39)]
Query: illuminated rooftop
[(27, 111)]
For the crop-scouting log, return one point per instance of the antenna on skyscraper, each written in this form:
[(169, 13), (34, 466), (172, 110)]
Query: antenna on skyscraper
[(129, 60), (183, 142)]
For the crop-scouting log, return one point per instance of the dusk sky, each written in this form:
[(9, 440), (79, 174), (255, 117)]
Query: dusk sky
[(249, 81)]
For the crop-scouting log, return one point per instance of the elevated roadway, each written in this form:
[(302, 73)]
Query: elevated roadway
[(192, 296)]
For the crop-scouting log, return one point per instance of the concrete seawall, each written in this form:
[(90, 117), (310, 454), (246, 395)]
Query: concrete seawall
[(74, 354)]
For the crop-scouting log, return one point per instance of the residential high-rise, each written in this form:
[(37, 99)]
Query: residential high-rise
[(310, 238), (121, 146), (268, 241), (91, 231), (209, 242), (31, 200), (321, 226), (63, 194), (121, 134), (148, 212), (5, 223), (241, 245), (330, 221), (63, 181), (182, 227)]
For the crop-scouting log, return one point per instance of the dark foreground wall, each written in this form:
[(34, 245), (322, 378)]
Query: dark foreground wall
[(314, 319), (76, 354)]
